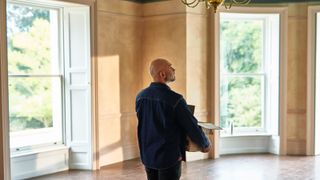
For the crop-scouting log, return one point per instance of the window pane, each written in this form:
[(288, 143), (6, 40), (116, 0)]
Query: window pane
[(241, 46), (241, 102), (32, 40), (35, 96), (33, 102)]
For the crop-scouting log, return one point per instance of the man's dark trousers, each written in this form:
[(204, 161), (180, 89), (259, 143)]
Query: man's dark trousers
[(171, 173)]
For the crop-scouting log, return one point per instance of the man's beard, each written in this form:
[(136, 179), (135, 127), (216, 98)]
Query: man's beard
[(171, 78)]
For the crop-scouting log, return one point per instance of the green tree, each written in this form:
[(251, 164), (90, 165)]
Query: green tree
[(29, 53), (241, 43), (21, 18), (241, 53)]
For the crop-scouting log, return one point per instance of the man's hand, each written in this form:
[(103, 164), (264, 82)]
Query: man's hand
[(207, 149)]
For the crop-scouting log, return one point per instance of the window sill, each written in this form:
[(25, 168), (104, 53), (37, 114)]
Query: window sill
[(249, 143), (38, 150), (246, 135)]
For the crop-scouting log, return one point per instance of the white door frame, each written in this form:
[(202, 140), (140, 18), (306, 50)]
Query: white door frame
[(311, 85)]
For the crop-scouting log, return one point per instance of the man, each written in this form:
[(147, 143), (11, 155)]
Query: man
[(164, 121)]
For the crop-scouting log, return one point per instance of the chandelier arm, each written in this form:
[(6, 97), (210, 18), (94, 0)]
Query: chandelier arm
[(228, 5), (193, 4), (242, 2), (208, 6), (190, 4), (215, 3)]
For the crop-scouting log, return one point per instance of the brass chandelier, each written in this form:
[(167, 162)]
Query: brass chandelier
[(215, 3)]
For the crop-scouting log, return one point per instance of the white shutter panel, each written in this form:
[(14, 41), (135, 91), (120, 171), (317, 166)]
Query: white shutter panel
[(77, 84)]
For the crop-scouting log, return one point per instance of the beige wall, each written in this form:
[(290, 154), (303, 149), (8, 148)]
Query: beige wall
[(118, 78), (198, 79), (297, 78), (164, 35), (197, 64), (180, 35)]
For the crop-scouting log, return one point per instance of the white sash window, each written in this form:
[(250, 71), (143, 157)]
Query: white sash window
[(49, 87)]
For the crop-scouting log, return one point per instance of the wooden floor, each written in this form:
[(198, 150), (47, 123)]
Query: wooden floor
[(232, 167)]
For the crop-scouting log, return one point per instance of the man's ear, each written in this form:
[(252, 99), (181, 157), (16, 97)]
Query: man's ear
[(162, 74)]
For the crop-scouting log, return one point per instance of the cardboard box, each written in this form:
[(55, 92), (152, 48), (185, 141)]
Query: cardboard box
[(208, 129)]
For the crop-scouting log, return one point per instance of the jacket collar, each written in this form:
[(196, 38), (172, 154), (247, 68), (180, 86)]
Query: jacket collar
[(159, 85)]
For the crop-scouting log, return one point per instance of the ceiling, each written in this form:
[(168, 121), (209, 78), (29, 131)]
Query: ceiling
[(252, 1)]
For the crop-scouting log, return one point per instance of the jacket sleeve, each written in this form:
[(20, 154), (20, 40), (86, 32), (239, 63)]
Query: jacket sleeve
[(190, 124)]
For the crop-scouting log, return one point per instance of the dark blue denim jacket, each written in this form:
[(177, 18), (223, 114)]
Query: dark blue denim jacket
[(164, 120)]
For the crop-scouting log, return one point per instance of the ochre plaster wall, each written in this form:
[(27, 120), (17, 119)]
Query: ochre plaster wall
[(119, 78), (164, 35), (172, 31), (197, 64), (297, 78), (198, 81)]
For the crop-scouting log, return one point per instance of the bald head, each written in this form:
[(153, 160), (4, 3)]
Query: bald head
[(161, 70), (157, 65)]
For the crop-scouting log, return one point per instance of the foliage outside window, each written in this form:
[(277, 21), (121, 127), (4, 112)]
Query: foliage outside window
[(241, 73)]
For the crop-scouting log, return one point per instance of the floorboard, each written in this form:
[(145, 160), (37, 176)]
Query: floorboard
[(231, 167)]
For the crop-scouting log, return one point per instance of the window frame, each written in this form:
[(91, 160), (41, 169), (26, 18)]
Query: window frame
[(73, 154), (59, 74), (265, 70), (313, 130)]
